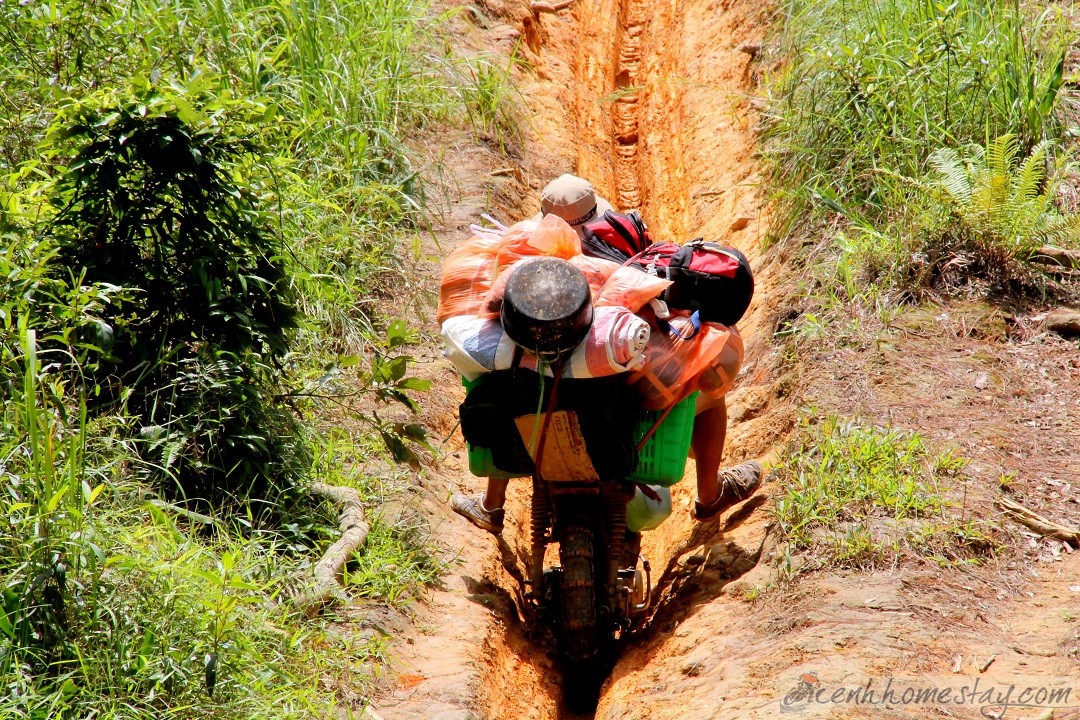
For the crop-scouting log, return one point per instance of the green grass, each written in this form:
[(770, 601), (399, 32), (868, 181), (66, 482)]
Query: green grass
[(396, 565), (490, 97), (114, 603), (873, 93), (118, 605), (874, 87), (855, 496)]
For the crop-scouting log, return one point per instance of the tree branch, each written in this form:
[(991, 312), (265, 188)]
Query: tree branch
[(1057, 256), (1037, 523)]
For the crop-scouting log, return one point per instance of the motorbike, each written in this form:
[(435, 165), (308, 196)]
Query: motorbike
[(602, 583), (588, 453)]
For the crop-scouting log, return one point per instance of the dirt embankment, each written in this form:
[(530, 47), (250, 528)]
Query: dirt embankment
[(653, 102)]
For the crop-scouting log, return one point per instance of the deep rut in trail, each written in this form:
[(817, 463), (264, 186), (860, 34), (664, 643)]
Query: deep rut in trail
[(625, 109), (650, 100), (610, 87)]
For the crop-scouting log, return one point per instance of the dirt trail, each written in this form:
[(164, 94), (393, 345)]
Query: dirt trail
[(651, 101)]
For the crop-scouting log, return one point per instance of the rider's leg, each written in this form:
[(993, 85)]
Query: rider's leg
[(483, 509), (707, 444), (495, 495), (718, 489)]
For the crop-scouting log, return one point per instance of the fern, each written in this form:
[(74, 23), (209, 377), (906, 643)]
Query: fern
[(1007, 203), (954, 176), (1060, 231), (1032, 173)]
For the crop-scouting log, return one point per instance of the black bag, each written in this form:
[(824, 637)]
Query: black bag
[(616, 237), (608, 412)]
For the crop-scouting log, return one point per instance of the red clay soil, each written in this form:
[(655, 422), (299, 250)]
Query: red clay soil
[(653, 101)]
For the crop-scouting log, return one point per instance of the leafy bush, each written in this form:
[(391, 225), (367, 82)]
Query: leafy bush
[(995, 213), (155, 198), (346, 80), (974, 223), (1005, 202)]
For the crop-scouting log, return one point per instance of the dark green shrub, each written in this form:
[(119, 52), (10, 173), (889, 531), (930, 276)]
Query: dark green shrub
[(156, 197)]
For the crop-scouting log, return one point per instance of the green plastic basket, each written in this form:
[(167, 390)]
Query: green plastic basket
[(662, 460)]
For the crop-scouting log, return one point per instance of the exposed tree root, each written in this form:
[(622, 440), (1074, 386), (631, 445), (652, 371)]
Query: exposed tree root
[(1037, 523), (328, 571)]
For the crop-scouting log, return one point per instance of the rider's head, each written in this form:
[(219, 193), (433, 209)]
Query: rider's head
[(574, 200)]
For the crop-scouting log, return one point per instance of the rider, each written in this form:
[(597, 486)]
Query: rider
[(574, 200)]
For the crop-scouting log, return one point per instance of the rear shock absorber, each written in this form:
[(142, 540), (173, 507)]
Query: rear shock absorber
[(615, 516), (541, 520)]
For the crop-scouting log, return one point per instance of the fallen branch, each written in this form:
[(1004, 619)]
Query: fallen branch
[(1037, 523), (1059, 256), (329, 570)]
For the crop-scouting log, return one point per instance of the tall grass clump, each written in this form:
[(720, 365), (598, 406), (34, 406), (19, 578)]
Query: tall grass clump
[(873, 88), (110, 608), (116, 604)]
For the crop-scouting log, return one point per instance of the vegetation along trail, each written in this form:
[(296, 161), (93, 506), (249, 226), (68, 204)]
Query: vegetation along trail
[(228, 435), (940, 403)]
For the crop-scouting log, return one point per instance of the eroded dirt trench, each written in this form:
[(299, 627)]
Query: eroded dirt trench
[(651, 101)]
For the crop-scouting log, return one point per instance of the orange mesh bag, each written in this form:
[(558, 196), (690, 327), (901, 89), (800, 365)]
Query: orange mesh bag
[(672, 363), (466, 275), (718, 377), (551, 237), (469, 272)]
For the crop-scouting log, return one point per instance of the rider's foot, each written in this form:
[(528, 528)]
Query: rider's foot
[(471, 507), (736, 484)]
